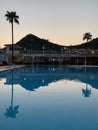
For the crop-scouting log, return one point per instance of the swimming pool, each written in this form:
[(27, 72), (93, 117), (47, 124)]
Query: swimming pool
[(49, 98)]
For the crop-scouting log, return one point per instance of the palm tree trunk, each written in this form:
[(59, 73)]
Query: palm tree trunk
[(12, 44)]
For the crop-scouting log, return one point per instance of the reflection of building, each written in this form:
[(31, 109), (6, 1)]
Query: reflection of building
[(31, 78)]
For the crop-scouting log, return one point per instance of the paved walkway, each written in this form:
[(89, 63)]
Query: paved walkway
[(8, 67)]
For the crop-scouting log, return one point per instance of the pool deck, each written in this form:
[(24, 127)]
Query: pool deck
[(8, 67)]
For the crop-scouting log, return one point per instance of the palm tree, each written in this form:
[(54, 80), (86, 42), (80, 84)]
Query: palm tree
[(87, 36), (12, 17)]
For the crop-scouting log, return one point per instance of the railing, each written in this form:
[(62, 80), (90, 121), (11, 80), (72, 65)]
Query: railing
[(69, 53), (40, 52)]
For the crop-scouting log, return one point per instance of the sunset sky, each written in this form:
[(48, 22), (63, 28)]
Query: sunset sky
[(61, 21)]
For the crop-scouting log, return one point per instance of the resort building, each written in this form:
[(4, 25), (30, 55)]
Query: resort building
[(65, 56)]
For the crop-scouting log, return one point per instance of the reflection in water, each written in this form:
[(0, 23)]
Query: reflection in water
[(12, 110), (86, 92), (32, 78), (56, 105)]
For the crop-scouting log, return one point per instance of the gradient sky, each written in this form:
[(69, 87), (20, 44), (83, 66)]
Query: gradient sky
[(61, 21)]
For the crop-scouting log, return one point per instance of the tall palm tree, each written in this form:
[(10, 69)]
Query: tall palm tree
[(87, 36), (12, 17)]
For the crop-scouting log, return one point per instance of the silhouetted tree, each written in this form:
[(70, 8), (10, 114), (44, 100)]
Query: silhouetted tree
[(87, 36), (12, 17)]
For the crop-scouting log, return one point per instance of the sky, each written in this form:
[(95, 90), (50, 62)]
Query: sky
[(61, 21)]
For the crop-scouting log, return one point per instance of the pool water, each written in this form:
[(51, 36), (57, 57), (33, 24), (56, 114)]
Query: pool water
[(49, 98)]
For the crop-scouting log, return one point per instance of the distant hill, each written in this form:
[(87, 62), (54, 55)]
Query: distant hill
[(33, 42), (93, 44)]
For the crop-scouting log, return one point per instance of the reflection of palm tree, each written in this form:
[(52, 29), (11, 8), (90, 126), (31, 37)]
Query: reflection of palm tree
[(12, 17), (12, 110), (86, 92)]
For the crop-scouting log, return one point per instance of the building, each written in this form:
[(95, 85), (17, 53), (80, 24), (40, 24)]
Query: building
[(65, 57)]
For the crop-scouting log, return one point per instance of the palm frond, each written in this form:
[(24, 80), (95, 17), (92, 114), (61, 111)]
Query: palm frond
[(12, 17), (87, 36)]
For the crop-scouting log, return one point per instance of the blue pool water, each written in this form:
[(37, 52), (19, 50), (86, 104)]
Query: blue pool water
[(49, 98)]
